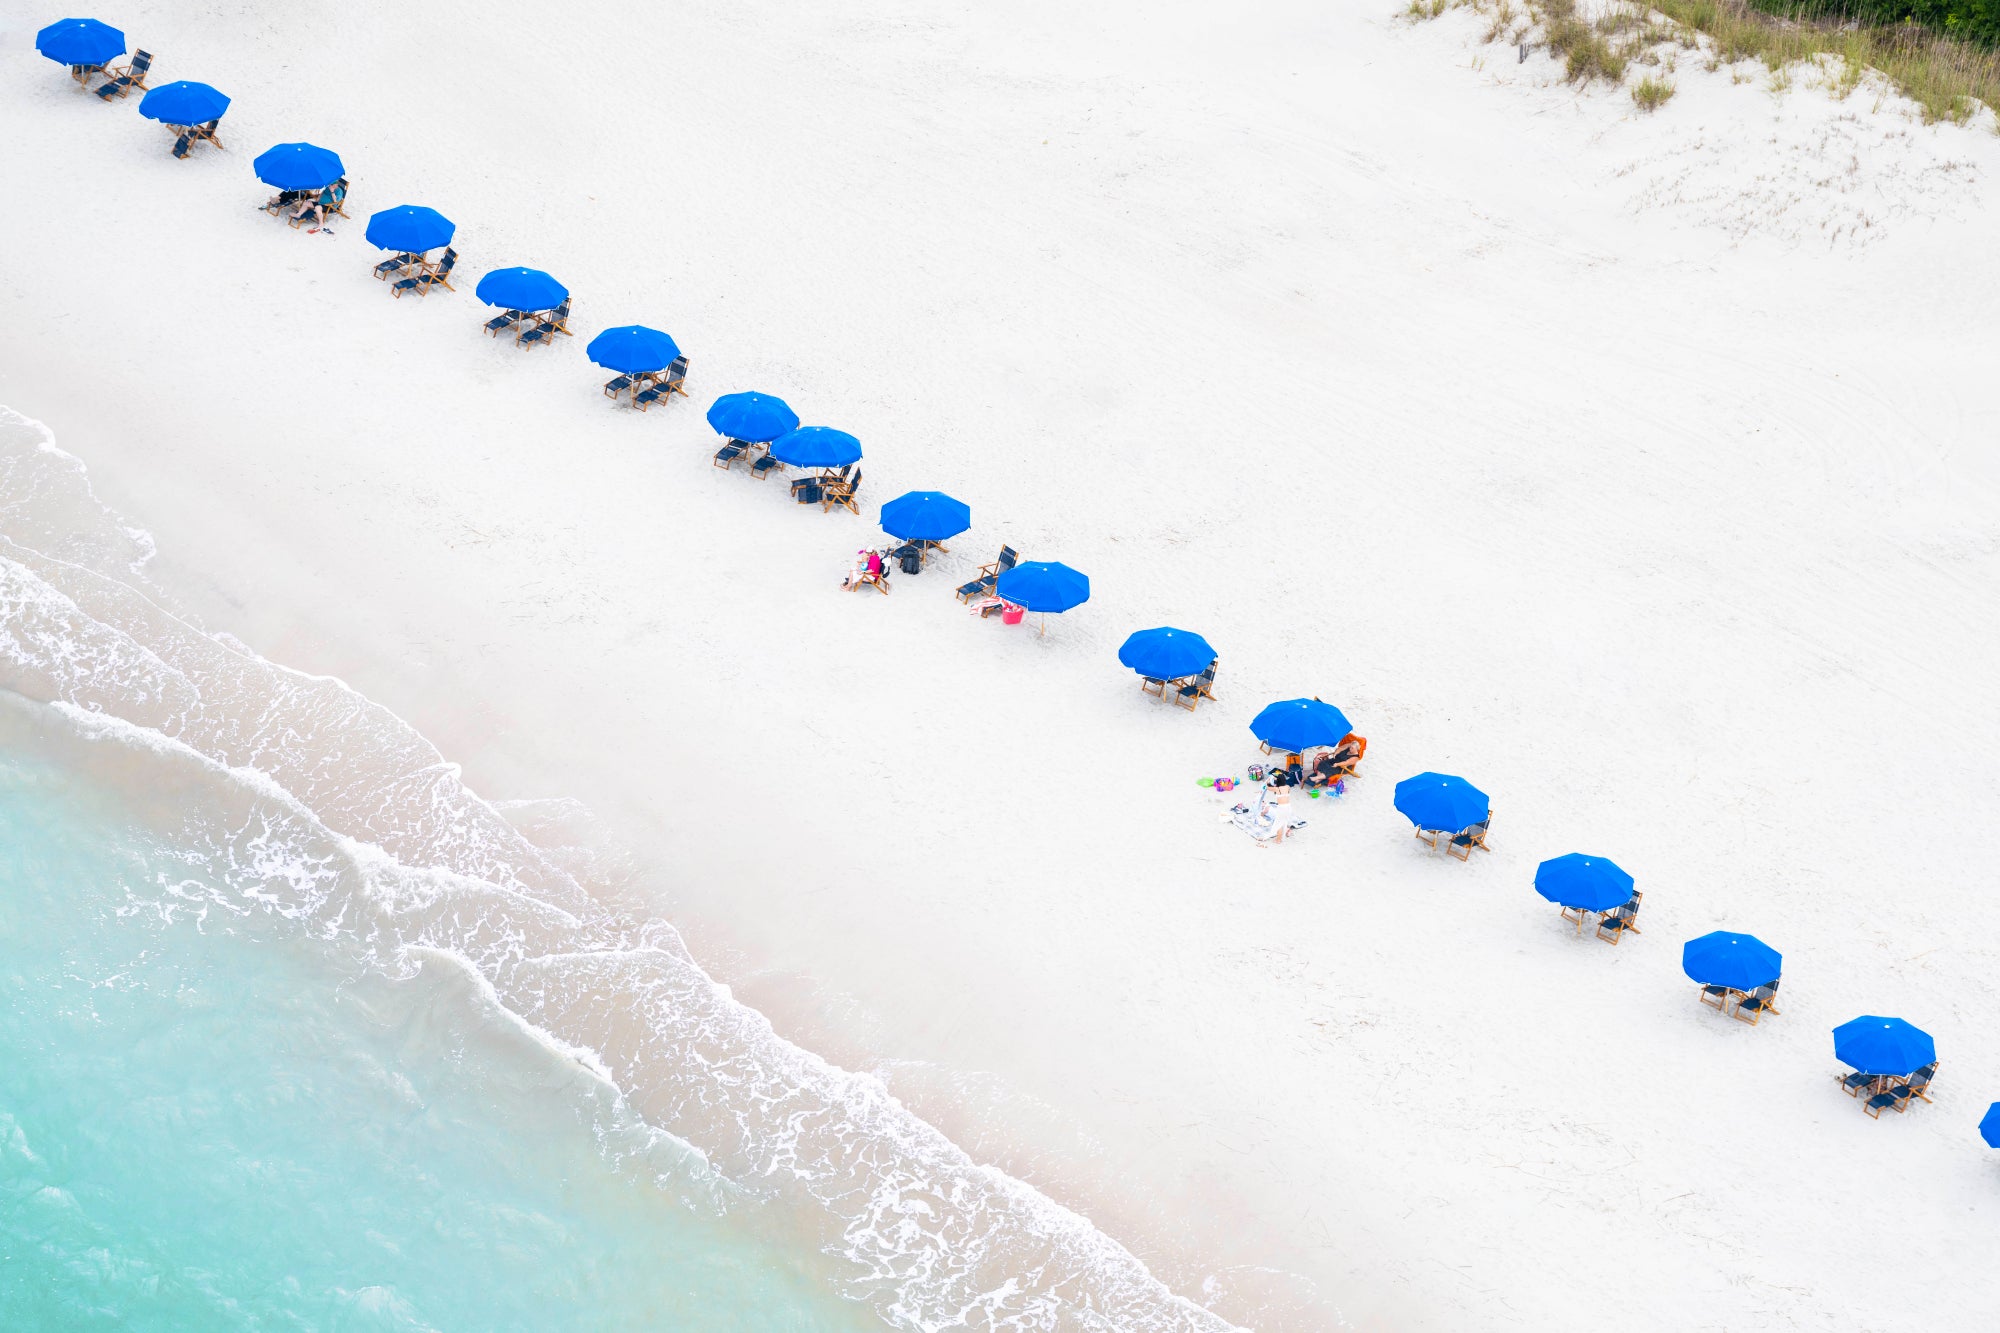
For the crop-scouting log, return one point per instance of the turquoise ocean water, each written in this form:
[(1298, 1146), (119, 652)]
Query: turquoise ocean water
[(218, 1123)]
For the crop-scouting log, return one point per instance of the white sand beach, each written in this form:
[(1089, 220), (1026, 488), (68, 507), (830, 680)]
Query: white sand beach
[(1641, 469)]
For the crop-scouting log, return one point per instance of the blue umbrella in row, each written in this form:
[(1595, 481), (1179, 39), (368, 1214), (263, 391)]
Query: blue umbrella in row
[(754, 418), (1298, 725), (1441, 801), (1877, 1045), (1044, 585), (816, 446), (521, 289), (183, 103), (1725, 958), (1989, 1128), (409, 229), (1578, 882), (80, 42), (1166, 653), (298, 166), (925, 516), (633, 349)]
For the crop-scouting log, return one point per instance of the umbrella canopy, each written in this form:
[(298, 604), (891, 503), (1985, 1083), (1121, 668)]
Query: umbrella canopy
[(80, 42), (755, 418), (521, 289), (1441, 801), (632, 349), (1299, 724), (925, 516), (1877, 1045), (1724, 958), (298, 166), (1989, 1128), (409, 229), (183, 103), (1167, 654), (1587, 883), (1043, 585), (816, 446)]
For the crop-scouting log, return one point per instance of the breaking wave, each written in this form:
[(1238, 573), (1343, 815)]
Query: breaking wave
[(333, 815)]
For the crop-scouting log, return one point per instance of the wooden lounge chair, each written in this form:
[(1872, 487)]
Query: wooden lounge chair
[(841, 493), (183, 144), (1896, 1094), (441, 275), (1620, 919), (558, 319), (1917, 1088), (1190, 695), (204, 133), (82, 73), (388, 266), (285, 199), (542, 331), (989, 576), (1717, 997), (1429, 835), (503, 321), (726, 456), (614, 387), (1855, 1084), (1155, 685), (1465, 840), (765, 466), (1757, 1003), (120, 80)]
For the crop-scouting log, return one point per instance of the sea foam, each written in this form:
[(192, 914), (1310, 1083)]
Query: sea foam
[(329, 812)]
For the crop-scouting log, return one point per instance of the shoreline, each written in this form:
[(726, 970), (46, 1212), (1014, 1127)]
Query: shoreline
[(1573, 580)]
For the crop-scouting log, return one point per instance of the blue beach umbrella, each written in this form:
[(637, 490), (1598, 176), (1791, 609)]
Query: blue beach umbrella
[(754, 418), (80, 42), (1298, 725), (1877, 1045), (1724, 958), (1043, 585), (183, 103), (1989, 1128), (925, 516), (521, 289), (409, 229), (1441, 801), (298, 166), (632, 349), (816, 446), (1585, 883), (1166, 654)]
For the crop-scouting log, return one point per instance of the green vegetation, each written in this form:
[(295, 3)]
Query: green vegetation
[(1651, 93)]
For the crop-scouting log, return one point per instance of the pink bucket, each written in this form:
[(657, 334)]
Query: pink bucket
[(1012, 615)]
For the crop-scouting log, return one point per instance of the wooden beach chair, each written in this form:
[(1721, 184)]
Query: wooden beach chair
[(504, 320), (205, 134), (440, 276), (120, 80), (1428, 835), (1917, 1089), (1895, 1095), (395, 265), (726, 456), (1855, 1084), (1757, 1003), (1620, 919), (1465, 840), (989, 576), (806, 491), (841, 493), (765, 466), (614, 387), (1717, 997), (1190, 695), (183, 144)]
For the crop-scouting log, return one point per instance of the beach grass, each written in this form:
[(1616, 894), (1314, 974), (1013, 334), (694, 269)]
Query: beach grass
[(1947, 79)]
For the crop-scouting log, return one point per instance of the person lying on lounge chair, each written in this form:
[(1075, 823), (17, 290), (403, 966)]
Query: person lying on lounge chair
[(1337, 763)]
